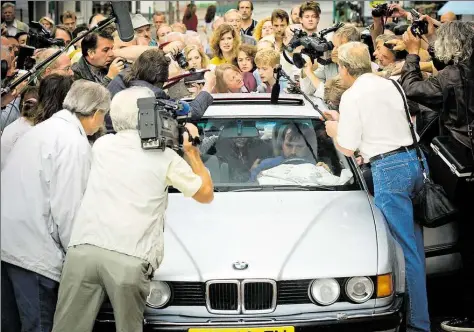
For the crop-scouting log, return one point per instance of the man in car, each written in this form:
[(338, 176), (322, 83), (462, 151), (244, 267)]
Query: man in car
[(297, 141)]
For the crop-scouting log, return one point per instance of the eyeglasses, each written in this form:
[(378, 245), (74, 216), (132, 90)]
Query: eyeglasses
[(65, 68)]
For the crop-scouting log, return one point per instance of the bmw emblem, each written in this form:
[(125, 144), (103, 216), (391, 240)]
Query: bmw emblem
[(240, 265)]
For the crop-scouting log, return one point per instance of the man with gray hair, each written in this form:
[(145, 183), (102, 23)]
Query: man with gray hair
[(315, 76), (117, 241), (373, 119), (42, 185), (9, 21), (234, 19)]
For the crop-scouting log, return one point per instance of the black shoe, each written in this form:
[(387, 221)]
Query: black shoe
[(458, 324)]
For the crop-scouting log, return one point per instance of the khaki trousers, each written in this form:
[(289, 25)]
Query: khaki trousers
[(89, 273)]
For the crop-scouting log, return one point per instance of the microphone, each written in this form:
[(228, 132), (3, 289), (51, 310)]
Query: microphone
[(181, 108), (276, 87), (123, 21)]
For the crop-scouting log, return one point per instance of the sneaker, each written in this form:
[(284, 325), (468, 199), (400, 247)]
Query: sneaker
[(458, 324)]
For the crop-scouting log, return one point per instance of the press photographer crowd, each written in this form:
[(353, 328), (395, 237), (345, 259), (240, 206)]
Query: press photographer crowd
[(91, 112)]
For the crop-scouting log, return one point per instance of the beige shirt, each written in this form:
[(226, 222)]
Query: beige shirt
[(125, 201)]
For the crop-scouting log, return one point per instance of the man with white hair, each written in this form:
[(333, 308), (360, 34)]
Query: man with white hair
[(117, 241), (373, 119), (43, 182), (234, 19)]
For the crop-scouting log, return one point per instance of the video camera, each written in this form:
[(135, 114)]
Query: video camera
[(161, 123), (39, 37), (314, 45)]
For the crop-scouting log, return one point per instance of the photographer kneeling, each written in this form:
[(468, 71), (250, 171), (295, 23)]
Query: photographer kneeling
[(117, 242), (451, 93), (151, 70)]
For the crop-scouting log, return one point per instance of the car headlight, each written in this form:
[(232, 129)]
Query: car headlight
[(359, 289), (160, 294), (325, 291)]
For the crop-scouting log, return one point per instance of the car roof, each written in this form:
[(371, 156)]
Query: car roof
[(258, 105)]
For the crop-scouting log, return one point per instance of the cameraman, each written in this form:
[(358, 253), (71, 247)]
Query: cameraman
[(117, 242), (451, 92), (313, 76), (151, 70)]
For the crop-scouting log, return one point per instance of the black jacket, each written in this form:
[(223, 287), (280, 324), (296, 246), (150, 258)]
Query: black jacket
[(83, 70), (448, 93), (197, 107)]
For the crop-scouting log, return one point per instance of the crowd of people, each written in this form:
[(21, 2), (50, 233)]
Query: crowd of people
[(74, 229)]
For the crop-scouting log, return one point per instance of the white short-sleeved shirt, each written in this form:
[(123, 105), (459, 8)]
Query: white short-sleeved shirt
[(125, 201), (372, 117)]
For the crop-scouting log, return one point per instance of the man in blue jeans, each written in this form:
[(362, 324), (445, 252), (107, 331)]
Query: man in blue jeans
[(372, 119)]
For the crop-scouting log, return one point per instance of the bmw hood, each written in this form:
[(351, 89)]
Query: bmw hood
[(276, 235)]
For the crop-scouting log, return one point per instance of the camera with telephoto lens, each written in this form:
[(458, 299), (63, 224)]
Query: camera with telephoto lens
[(161, 123), (180, 58), (314, 46), (39, 37), (419, 28), (382, 10)]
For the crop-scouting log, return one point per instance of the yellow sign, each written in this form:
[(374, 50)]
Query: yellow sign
[(249, 329), (376, 3)]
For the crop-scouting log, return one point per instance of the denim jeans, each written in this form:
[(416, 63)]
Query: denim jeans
[(397, 178), (28, 300)]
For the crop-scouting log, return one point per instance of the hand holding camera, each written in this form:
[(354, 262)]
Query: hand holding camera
[(190, 138), (116, 67), (412, 42)]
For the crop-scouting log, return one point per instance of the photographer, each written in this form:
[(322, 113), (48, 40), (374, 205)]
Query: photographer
[(315, 76), (151, 70), (451, 93), (117, 241), (372, 119), (98, 63)]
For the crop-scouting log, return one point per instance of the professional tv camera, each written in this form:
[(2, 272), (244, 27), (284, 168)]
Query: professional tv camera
[(161, 123), (39, 37), (314, 45)]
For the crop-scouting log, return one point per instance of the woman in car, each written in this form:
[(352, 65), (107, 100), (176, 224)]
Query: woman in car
[(225, 45)]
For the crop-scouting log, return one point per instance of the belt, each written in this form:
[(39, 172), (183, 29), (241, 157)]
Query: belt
[(387, 154)]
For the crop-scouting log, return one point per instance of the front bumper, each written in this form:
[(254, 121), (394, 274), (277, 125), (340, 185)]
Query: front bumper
[(388, 320)]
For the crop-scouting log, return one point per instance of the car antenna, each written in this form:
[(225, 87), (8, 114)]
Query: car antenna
[(279, 72)]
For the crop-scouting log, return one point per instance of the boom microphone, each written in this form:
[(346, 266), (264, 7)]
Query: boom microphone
[(123, 21)]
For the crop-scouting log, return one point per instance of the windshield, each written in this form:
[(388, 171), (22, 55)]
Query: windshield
[(272, 154)]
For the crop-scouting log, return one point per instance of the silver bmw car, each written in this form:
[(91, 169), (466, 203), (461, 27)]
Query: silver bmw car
[(292, 239)]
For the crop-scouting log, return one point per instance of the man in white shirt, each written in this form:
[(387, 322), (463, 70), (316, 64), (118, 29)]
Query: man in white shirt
[(373, 119), (42, 187), (117, 240)]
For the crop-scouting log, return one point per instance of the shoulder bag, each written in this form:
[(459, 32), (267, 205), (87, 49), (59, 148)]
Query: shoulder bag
[(431, 206)]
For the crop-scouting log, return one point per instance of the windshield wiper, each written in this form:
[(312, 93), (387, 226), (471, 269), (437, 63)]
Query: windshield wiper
[(281, 188), (300, 187)]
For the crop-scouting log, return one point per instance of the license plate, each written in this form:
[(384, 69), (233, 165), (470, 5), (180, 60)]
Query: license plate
[(247, 329)]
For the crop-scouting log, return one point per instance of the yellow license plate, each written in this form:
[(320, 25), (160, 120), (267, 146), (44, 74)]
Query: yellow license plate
[(247, 329)]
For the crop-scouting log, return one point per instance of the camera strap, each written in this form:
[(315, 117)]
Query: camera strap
[(194, 140)]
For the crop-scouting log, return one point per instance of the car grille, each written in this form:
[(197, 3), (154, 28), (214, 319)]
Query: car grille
[(258, 296), (247, 297), (293, 292), (187, 293), (224, 296)]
